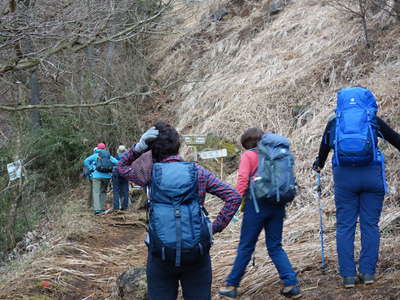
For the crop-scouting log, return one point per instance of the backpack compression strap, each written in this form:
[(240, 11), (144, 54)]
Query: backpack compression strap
[(256, 207), (273, 179), (178, 235)]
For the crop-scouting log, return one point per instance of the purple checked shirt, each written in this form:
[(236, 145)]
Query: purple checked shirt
[(137, 167)]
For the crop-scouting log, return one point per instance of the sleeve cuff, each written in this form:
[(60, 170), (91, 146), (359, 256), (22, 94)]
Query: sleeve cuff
[(215, 228)]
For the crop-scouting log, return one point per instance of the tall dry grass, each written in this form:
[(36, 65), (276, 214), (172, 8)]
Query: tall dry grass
[(281, 73)]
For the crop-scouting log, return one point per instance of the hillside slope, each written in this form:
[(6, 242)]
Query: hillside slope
[(278, 72)]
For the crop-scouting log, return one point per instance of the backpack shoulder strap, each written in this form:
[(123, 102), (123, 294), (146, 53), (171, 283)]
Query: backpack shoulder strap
[(258, 152)]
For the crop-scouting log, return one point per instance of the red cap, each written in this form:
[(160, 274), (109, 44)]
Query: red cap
[(101, 146)]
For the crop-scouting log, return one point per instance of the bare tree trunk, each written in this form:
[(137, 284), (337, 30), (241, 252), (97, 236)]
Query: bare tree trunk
[(104, 90), (396, 9), (363, 12), (12, 5), (89, 85), (35, 99), (16, 202), (376, 6)]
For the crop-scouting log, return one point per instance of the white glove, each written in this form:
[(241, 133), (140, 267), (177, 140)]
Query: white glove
[(150, 135)]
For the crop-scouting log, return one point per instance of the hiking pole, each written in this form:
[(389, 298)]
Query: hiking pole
[(321, 223)]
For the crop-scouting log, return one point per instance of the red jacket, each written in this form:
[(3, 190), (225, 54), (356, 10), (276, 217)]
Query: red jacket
[(247, 168)]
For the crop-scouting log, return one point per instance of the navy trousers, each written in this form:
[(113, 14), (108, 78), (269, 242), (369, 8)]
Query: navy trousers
[(270, 218), (120, 192), (359, 194), (163, 279)]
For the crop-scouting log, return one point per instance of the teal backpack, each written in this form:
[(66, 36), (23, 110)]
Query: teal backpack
[(103, 163), (274, 181)]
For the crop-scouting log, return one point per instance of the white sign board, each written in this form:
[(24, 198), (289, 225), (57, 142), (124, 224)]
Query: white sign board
[(213, 154), (14, 170), (194, 139)]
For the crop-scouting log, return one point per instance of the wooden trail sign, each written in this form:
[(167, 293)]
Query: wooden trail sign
[(220, 153), (14, 170), (194, 139), (213, 154)]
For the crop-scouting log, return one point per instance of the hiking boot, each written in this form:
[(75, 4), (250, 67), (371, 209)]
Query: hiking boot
[(349, 281), (366, 278), (292, 291), (228, 291)]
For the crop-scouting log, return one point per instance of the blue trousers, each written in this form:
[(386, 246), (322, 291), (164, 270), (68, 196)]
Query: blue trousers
[(120, 192), (270, 218), (359, 194), (163, 279)]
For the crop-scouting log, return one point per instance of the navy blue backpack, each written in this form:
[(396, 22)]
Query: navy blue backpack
[(355, 135), (178, 229)]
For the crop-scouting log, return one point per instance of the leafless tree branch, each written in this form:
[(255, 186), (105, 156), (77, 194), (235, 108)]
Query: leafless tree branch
[(85, 105), (72, 45)]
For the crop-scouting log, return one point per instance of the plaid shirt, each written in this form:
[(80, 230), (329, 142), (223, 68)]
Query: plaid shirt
[(137, 168)]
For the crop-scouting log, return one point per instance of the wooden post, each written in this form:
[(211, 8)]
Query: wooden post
[(195, 153), (222, 167)]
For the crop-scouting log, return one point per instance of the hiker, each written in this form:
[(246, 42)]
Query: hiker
[(259, 215), (100, 165), (87, 174), (179, 232), (359, 179), (120, 185)]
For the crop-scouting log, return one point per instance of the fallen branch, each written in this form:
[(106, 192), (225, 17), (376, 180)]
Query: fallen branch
[(134, 224)]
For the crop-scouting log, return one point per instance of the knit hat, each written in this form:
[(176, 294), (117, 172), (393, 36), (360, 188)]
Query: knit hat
[(121, 149), (101, 146)]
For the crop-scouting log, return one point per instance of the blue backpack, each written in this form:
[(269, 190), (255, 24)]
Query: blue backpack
[(355, 135), (178, 229), (274, 181), (104, 163)]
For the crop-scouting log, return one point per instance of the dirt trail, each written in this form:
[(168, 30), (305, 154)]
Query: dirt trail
[(85, 264)]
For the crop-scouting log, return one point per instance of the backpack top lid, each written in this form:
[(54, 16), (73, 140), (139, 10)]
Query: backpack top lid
[(274, 140), (273, 145), (174, 181), (103, 153), (356, 96)]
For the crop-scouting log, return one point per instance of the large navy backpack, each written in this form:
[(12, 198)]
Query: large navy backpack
[(104, 163), (179, 230), (274, 181), (355, 138)]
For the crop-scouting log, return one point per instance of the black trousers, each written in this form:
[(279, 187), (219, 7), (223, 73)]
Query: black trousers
[(163, 279)]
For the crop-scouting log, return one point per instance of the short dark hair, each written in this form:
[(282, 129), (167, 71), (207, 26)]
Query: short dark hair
[(166, 144), (250, 137)]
